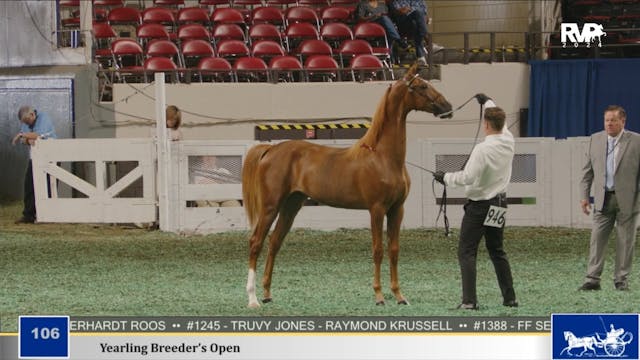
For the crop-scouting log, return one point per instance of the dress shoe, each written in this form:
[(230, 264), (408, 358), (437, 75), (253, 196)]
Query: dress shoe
[(470, 306), (510, 303), (25, 220), (622, 286), (589, 286)]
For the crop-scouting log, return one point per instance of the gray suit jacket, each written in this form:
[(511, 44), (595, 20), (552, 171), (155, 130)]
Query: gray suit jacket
[(627, 174)]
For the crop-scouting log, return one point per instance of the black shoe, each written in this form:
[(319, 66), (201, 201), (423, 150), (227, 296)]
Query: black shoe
[(589, 286), (622, 286), (25, 220), (510, 303), (471, 306), (402, 44)]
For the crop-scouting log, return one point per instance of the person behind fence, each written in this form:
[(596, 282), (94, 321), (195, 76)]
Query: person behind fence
[(411, 18), (377, 11), (35, 125), (207, 171), (485, 178), (612, 175), (174, 120)]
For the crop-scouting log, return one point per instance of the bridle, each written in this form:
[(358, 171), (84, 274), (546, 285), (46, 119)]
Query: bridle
[(411, 89)]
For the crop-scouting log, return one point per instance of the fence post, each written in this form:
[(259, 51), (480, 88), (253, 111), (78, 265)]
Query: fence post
[(164, 157)]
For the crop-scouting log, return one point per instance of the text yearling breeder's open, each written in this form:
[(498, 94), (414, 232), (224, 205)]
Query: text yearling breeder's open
[(371, 174)]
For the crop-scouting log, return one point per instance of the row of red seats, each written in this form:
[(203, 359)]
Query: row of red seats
[(248, 68), (128, 53), (333, 33), (262, 14), (214, 3)]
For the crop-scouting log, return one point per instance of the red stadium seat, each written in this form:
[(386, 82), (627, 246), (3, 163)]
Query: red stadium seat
[(249, 4), (232, 49), (269, 15), (127, 58), (227, 32), (108, 3), (301, 14), (336, 14), (282, 3), (163, 48), (193, 15), (375, 34), (194, 50), (160, 64), (266, 50), (227, 16), (215, 3), (259, 32), (193, 31), (314, 3), (169, 3), (296, 33), (322, 68), (286, 69), (215, 69), (103, 35), (335, 33), (351, 48), (313, 47), (158, 15), (148, 32), (124, 16), (365, 67), (251, 69)]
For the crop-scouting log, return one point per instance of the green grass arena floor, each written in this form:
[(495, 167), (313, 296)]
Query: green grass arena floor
[(101, 270)]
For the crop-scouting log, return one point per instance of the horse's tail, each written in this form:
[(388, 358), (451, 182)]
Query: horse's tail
[(251, 182)]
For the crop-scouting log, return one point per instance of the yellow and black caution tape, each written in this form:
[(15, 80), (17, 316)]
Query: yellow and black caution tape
[(314, 126)]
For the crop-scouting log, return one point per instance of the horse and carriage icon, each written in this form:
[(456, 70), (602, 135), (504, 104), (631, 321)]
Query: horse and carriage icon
[(613, 343)]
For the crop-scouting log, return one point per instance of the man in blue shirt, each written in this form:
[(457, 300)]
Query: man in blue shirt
[(34, 126)]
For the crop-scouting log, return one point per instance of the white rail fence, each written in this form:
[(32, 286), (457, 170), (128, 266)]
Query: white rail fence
[(204, 188)]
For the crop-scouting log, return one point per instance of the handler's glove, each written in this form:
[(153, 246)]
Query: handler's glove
[(439, 176), (482, 98)]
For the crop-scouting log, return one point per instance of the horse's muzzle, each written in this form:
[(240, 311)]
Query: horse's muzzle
[(444, 111)]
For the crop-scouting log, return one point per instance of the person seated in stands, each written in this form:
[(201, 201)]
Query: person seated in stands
[(377, 11), (411, 18)]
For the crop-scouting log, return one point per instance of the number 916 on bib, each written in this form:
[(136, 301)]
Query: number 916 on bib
[(43, 337)]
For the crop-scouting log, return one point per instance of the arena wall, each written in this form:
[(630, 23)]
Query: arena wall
[(226, 111)]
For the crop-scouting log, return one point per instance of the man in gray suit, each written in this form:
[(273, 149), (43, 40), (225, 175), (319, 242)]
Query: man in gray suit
[(612, 170)]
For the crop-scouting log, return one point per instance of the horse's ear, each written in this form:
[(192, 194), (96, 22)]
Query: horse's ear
[(412, 71)]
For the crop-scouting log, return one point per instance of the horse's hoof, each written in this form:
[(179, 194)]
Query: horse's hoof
[(403, 302), (381, 302), (253, 305), (266, 300)]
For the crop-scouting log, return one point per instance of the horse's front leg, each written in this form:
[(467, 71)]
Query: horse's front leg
[(394, 221), (377, 218)]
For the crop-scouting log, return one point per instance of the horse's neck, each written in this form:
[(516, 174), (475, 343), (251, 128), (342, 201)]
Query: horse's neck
[(388, 133)]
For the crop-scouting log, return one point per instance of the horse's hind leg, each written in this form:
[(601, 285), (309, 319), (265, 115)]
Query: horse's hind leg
[(255, 246), (288, 212), (394, 220)]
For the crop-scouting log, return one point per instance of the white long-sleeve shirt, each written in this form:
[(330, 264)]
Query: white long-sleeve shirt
[(488, 170)]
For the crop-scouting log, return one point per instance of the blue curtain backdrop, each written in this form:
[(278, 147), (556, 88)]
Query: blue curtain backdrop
[(568, 97)]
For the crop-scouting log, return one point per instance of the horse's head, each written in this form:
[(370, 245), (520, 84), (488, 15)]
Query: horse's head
[(422, 95), (567, 335)]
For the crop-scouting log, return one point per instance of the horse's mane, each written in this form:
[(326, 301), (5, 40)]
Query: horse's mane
[(370, 139)]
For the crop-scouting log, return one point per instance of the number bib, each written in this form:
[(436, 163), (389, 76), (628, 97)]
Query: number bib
[(495, 216)]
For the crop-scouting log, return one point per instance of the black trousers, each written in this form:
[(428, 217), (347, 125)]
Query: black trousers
[(471, 232), (29, 211)]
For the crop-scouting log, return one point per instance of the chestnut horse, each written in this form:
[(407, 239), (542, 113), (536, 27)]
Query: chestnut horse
[(371, 174)]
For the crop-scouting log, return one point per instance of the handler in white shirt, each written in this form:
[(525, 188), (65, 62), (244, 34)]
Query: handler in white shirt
[(485, 178)]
